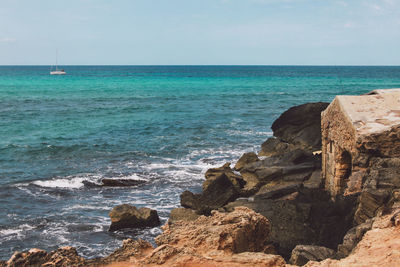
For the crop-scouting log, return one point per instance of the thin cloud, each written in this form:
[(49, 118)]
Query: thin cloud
[(7, 40)]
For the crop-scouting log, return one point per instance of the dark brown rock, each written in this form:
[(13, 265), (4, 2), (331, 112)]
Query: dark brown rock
[(211, 174), (121, 182), (273, 146), (352, 237), (245, 159), (276, 167), (301, 125), (127, 216), (301, 254), (371, 200), (315, 180), (217, 193), (300, 215)]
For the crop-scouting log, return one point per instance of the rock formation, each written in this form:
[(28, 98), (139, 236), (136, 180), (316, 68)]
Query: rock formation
[(344, 212), (285, 187), (222, 239), (299, 127), (127, 216), (380, 246)]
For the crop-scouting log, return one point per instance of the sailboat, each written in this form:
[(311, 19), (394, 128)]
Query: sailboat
[(57, 71)]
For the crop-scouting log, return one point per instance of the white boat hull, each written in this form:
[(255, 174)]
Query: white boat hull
[(57, 72)]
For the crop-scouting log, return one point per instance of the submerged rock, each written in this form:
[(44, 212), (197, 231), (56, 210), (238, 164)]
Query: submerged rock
[(127, 216), (121, 182)]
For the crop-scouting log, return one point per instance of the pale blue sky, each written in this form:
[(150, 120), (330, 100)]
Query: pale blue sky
[(266, 32)]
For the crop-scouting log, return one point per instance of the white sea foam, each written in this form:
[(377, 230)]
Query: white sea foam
[(86, 207), (250, 133), (76, 182), (72, 183), (16, 231), (133, 176)]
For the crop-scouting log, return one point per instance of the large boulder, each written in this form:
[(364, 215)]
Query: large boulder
[(302, 254), (301, 125), (219, 191), (212, 174), (296, 166), (127, 216)]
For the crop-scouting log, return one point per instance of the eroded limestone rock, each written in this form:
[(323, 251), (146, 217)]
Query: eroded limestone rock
[(238, 231)]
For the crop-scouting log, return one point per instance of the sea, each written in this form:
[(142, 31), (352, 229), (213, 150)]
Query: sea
[(166, 125)]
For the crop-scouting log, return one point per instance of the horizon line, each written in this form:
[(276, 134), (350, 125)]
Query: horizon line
[(178, 65)]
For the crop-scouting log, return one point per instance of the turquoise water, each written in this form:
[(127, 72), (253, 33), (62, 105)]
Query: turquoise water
[(163, 124)]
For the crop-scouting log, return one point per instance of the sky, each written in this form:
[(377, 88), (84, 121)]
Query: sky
[(200, 32)]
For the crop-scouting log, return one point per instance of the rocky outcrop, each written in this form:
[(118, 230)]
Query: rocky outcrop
[(213, 173), (222, 239), (300, 215), (218, 190), (381, 182), (166, 255), (302, 254), (301, 125), (127, 216), (62, 257), (238, 231), (289, 168)]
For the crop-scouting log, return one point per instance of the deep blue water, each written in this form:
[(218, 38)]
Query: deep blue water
[(164, 124)]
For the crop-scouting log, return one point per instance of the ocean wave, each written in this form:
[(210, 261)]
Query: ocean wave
[(79, 181), (12, 233), (61, 183), (250, 133)]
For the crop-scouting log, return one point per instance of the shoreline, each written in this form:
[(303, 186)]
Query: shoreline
[(283, 183)]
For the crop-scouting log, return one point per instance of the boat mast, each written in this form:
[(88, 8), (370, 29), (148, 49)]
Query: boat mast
[(56, 60)]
